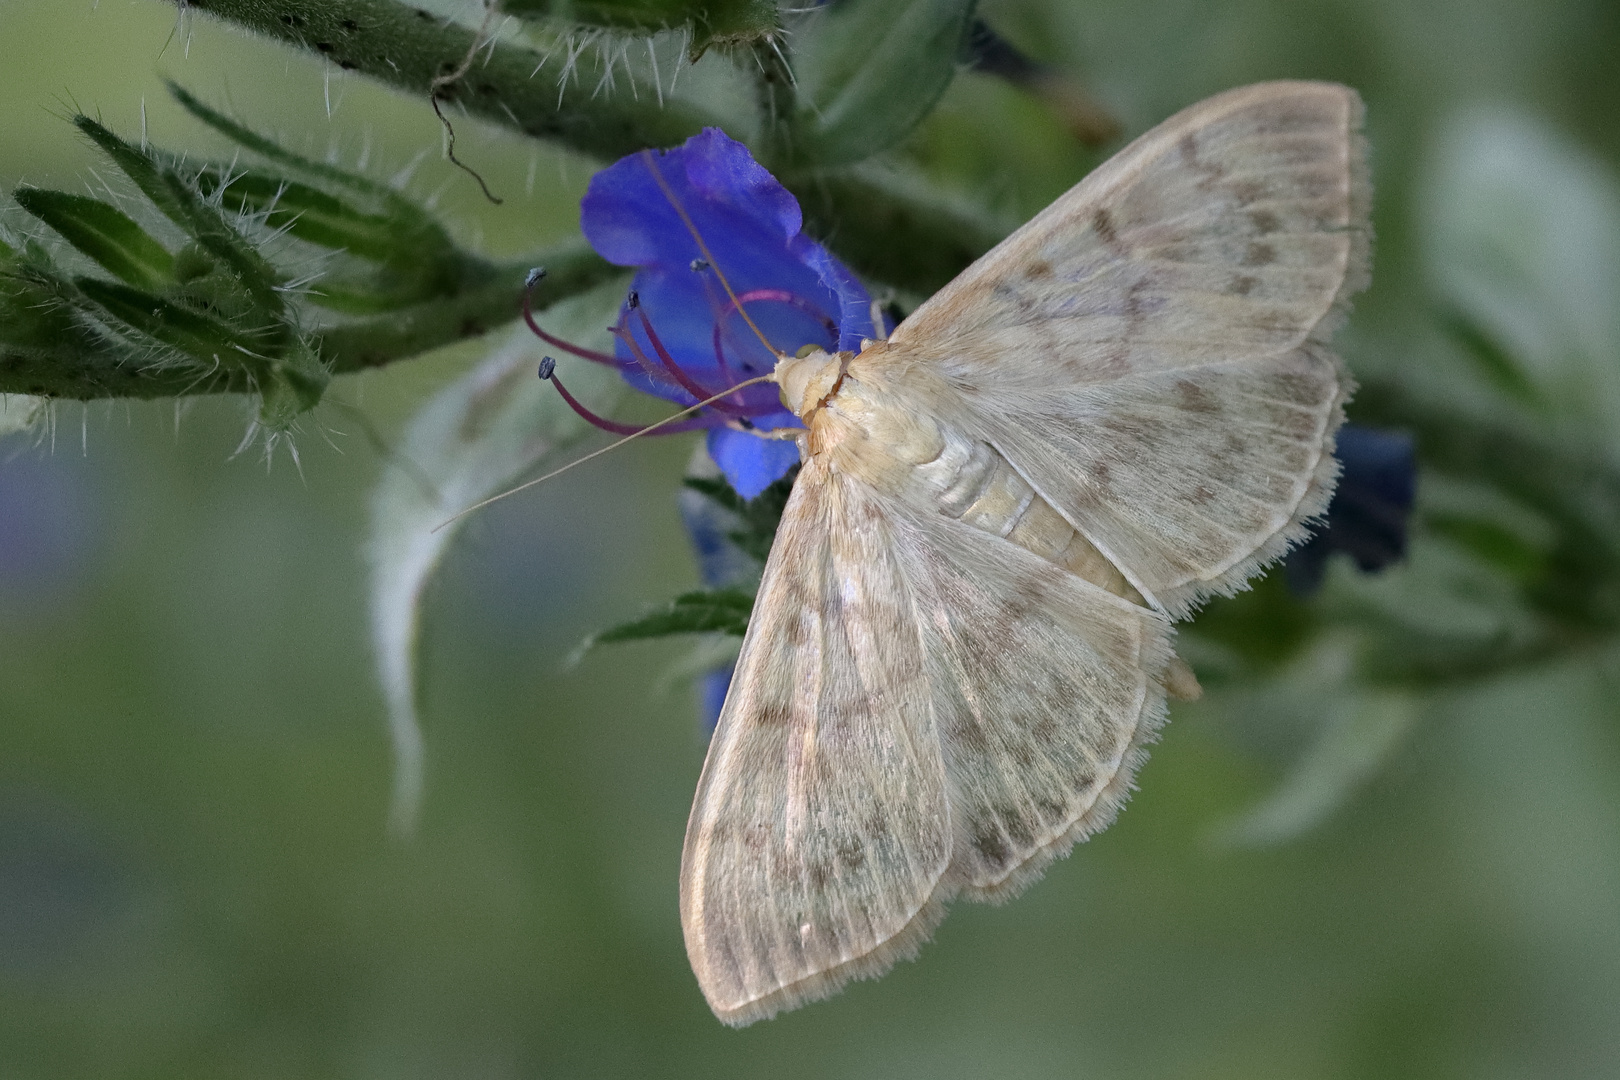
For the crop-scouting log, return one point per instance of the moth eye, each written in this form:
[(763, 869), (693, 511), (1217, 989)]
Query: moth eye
[(806, 350)]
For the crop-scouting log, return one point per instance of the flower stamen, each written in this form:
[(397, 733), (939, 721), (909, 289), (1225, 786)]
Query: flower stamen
[(551, 339), (691, 385), (548, 373)]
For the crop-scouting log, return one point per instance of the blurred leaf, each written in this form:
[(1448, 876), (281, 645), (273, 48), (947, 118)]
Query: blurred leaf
[(1355, 731), (1524, 244), (19, 412), (1499, 366), (702, 611), (105, 234), (470, 441), (1492, 543), (712, 22), (1358, 733), (870, 70)]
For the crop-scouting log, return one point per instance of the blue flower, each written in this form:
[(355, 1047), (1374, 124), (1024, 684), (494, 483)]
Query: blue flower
[(719, 252), (1368, 516)]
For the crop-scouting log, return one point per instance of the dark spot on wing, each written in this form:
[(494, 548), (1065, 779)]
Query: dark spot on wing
[(819, 874), (773, 714), (1247, 191), (1102, 222), (988, 842), (1192, 397), (1264, 221), (1260, 254), (1243, 284), (970, 736), (1209, 172)]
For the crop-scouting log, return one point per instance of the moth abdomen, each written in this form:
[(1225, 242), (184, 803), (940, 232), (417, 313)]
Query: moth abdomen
[(972, 482)]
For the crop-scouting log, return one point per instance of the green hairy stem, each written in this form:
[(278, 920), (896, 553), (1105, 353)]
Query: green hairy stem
[(409, 48)]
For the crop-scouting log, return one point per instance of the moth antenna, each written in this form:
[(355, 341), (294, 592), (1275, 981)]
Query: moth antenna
[(708, 256), (546, 372)]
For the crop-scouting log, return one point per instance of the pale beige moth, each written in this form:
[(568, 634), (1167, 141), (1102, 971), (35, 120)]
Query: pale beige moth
[(962, 640)]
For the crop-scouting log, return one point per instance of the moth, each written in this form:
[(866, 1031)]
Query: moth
[(962, 641)]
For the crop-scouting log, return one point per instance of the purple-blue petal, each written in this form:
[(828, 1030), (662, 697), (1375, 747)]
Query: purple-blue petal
[(712, 687), (751, 463), (643, 210), (1368, 516)]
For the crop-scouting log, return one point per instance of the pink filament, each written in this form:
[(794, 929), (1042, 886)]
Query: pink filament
[(613, 425), (550, 339)]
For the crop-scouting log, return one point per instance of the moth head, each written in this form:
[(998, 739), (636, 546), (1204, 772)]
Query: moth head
[(809, 378)]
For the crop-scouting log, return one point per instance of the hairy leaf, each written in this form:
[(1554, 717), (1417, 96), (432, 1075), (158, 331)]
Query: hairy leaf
[(704, 611)]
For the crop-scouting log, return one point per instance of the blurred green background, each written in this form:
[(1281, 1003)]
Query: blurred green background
[(195, 874)]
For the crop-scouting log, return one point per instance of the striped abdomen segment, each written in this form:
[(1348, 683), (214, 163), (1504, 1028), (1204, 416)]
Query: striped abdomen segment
[(975, 484)]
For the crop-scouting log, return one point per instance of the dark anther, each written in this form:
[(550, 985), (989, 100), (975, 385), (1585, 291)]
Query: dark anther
[(347, 65), (700, 265), (324, 46), (349, 25), (634, 300), (533, 277), (547, 367)]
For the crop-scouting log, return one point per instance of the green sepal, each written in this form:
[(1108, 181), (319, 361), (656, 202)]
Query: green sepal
[(870, 70), (407, 257), (34, 316), (705, 611), (306, 212), (184, 205), (103, 233), (270, 150), (198, 335), (291, 384)]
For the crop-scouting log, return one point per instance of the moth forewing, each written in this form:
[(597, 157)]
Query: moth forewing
[(1149, 350), (820, 832)]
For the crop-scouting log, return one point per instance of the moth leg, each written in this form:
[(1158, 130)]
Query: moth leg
[(878, 319), (781, 433), (1180, 684)]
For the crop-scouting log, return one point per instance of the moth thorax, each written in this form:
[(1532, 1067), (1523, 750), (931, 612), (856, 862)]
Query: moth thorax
[(808, 380)]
